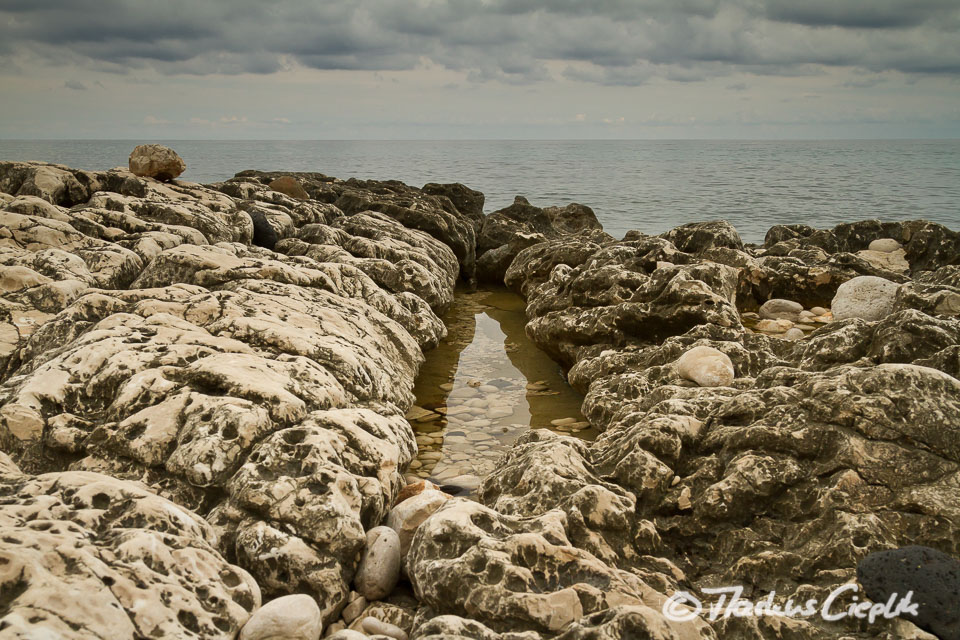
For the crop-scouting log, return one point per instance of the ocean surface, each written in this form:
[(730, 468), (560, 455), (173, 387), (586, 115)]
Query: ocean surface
[(637, 184)]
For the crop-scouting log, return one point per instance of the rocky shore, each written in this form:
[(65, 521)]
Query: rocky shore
[(204, 416)]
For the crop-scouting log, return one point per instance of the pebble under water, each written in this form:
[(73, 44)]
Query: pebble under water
[(483, 387)]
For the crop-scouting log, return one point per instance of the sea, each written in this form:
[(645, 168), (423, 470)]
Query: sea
[(649, 185)]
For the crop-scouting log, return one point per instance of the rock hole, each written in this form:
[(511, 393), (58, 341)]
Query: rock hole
[(189, 620), (100, 501)]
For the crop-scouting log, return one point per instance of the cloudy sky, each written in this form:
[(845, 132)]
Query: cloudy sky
[(438, 69)]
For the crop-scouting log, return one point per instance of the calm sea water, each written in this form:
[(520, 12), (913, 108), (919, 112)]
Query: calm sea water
[(646, 185)]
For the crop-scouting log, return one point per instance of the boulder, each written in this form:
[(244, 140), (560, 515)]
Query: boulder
[(288, 185), (930, 576), (697, 237), (347, 634), (54, 183), (379, 568), (780, 309), (377, 627), (406, 517), (294, 617), (156, 161), (706, 366), (884, 245), (507, 232), (866, 297), (468, 201)]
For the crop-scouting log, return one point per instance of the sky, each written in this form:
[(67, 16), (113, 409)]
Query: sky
[(479, 69)]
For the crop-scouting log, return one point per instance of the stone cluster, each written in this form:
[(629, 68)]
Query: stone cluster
[(207, 413)]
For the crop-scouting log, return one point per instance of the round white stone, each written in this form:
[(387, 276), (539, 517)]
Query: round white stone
[(295, 617), (706, 366), (885, 245), (379, 627), (780, 309), (866, 297), (348, 634), (793, 334), (379, 568)]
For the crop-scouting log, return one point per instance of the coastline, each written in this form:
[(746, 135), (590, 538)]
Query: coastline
[(221, 373)]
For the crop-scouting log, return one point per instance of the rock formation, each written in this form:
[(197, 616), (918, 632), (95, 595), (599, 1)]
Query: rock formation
[(506, 232), (203, 393), (156, 161)]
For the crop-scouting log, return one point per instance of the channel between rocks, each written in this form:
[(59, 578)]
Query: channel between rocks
[(481, 388), (290, 405)]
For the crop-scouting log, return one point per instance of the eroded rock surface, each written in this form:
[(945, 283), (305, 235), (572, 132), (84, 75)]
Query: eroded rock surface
[(204, 393), (820, 451), (146, 337), (156, 161), (506, 232), (86, 555)]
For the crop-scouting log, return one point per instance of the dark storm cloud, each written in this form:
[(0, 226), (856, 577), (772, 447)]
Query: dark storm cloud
[(605, 41), (862, 14)]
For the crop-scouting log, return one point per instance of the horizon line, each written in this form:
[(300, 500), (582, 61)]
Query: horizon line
[(718, 139)]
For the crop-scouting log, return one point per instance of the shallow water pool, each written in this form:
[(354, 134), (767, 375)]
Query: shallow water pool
[(484, 386)]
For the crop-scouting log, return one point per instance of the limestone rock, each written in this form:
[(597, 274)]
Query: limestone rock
[(86, 551), (434, 215), (505, 233), (407, 516), (780, 309), (347, 634), (468, 201), (698, 237), (270, 397), (706, 366), (885, 245), (510, 573), (288, 185), (628, 622), (54, 183), (774, 326), (156, 161), (379, 567), (450, 626), (865, 297), (295, 617), (793, 334), (353, 610), (887, 261), (377, 627)]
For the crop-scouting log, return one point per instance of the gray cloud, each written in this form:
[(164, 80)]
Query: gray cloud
[(861, 14), (624, 42), (75, 85)]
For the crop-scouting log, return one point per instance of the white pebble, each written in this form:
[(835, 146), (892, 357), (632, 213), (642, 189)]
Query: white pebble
[(706, 366), (866, 297), (295, 617), (379, 568), (372, 625), (885, 245)]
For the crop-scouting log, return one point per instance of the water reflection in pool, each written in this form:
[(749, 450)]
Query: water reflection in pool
[(482, 387)]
